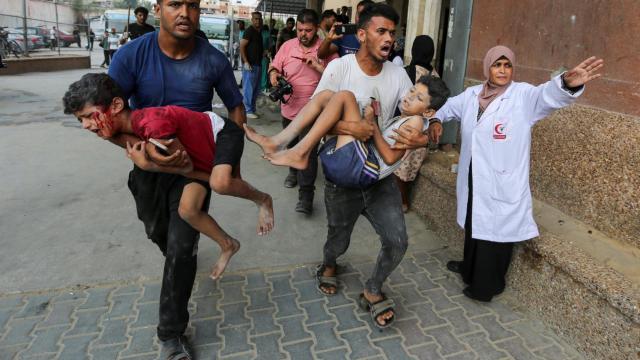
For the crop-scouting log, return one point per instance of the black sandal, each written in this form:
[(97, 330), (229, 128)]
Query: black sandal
[(325, 281), (378, 308)]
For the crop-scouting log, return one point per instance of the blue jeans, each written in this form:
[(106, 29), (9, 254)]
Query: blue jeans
[(251, 87), (382, 206)]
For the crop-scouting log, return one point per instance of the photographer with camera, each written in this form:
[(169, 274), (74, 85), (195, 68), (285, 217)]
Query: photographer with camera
[(294, 74)]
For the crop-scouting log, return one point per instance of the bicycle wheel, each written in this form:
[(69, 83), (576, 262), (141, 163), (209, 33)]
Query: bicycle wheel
[(15, 48)]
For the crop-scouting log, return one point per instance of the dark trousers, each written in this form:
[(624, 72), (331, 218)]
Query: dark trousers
[(306, 177), (381, 204), (157, 197), (485, 263), (107, 58)]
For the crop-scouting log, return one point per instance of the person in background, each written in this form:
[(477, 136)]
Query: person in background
[(342, 44), (397, 55), (104, 44), (236, 48), (140, 27), (286, 33), (297, 62), (493, 193), (113, 42), (266, 45), (421, 55), (91, 37), (252, 52), (76, 36), (343, 16), (327, 20), (273, 38), (53, 38)]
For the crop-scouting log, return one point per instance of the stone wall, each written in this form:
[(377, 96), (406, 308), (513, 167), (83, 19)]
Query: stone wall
[(586, 162)]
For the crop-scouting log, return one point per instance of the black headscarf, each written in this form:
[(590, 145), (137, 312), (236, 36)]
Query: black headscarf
[(421, 54)]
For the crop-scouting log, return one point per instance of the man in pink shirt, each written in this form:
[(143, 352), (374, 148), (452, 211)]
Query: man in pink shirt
[(297, 61)]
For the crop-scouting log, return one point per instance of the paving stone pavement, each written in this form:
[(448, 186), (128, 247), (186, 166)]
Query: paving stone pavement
[(279, 314)]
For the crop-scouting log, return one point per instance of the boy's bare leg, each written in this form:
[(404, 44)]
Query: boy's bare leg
[(190, 210), (306, 116), (343, 107), (225, 182)]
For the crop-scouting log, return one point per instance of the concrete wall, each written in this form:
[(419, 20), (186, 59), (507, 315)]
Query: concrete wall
[(584, 158), (41, 13)]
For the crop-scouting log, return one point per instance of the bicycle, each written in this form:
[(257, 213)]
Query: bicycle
[(10, 47)]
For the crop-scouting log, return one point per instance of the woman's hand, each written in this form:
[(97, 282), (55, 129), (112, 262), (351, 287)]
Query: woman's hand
[(583, 73)]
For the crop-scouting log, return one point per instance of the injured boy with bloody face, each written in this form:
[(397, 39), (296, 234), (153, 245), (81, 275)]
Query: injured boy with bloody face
[(209, 140)]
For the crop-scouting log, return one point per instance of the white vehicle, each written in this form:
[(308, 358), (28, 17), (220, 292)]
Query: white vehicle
[(217, 30), (115, 19), (97, 24)]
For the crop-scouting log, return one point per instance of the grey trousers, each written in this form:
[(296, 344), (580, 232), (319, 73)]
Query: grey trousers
[(381, 204)]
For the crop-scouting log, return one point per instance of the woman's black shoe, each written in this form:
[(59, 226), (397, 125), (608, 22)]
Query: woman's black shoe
[(468, 294), (455, 266)]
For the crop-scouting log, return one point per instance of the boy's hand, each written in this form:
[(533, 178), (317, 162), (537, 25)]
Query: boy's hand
[(178, 158), (138, 154), (369, 114)]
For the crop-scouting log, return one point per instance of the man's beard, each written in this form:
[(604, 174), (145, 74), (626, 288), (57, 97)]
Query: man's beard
[(309, 42)]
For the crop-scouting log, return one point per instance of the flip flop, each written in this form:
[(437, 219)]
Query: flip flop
[(325, 281), (378, 308)]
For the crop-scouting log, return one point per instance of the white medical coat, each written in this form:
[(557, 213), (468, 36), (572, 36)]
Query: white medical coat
[(500, 145)]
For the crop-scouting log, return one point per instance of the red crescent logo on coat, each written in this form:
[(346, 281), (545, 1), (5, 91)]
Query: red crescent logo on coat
[(498, 132)]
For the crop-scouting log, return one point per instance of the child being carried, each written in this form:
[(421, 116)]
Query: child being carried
[(346, 161), (213, 144)]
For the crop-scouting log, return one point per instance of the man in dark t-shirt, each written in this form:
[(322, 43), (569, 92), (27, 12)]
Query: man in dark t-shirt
[(172, 67), (140, 27), (342, 44), (251, 52)]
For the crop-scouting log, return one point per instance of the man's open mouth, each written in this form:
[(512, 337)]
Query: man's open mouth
[(385, 50)]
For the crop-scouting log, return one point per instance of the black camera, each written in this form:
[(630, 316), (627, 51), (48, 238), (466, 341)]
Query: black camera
[(280, 90)]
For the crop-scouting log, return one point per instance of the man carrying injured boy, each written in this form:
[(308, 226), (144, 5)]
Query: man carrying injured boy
[(365, 74), (209, 140)]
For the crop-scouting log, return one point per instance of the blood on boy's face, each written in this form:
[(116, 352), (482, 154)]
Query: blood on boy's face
[(96, 120)]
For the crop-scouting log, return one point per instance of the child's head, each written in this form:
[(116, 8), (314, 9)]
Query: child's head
[(94, 100), (425, 97)]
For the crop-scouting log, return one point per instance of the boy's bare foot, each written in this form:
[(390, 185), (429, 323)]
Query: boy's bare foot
[(267, 143), (265, 215), (288, 158), (225, 255)]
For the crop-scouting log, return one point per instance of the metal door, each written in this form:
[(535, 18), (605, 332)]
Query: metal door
[(457, 44)]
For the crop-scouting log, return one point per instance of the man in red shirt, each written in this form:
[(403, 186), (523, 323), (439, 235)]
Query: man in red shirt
[(208, 139), (297, 61)]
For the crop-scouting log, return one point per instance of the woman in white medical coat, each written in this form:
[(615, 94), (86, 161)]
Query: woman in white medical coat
[(494, 199)]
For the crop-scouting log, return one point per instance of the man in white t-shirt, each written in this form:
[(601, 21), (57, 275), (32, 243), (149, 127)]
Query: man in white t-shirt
[(368, 74), (114, 42)]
